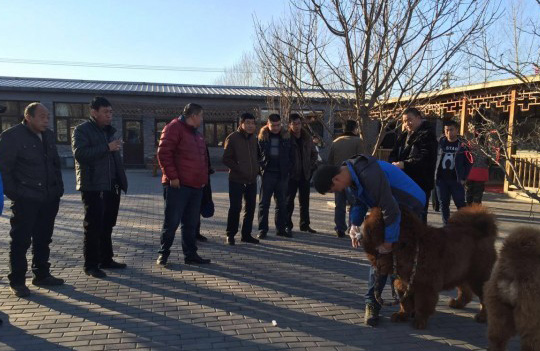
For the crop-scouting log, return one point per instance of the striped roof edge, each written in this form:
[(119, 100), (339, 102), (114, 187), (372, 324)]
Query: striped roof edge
[(143, 88)]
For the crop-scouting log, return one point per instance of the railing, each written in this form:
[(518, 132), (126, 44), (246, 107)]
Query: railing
[(527, 170)]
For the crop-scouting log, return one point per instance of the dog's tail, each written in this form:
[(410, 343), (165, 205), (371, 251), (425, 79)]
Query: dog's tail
[(475, 216)]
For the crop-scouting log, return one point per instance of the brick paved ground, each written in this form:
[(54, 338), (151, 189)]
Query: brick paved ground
[(311, 285)]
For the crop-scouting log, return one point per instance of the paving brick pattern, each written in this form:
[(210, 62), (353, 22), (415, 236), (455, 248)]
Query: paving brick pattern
[(311, 285)]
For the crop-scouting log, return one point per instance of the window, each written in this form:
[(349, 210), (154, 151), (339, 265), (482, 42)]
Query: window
[(215, 133), (160, 124), (13, 115), (67, 117)]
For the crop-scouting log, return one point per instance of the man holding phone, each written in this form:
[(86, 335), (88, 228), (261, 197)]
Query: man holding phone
[(100, 179)]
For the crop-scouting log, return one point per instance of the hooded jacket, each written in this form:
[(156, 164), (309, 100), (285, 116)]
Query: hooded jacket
[(380, 184), (286, 151)]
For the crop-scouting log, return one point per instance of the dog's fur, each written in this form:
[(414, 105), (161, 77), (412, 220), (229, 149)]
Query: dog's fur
[(460, 255), (511, 294)]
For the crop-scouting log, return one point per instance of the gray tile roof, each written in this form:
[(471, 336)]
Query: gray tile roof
[(136, 88)]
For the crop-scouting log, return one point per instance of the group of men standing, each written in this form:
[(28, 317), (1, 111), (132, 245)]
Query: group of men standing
[(285, 159), (30, 168)]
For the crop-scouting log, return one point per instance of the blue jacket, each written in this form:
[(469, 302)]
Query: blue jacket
[(461, 159), (381, 184)]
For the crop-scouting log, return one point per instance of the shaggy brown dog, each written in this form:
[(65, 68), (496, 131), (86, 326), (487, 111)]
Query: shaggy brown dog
[(460, 255), (511, 294)]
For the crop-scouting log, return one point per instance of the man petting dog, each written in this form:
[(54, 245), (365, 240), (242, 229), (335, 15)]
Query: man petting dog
[(369, 183)]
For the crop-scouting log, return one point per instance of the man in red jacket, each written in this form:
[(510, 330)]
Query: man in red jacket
[(184, 163)]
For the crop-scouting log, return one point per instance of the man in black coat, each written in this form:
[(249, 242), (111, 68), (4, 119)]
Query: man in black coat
[(30, 168), (277, 161), (415, 152), (100, 179)]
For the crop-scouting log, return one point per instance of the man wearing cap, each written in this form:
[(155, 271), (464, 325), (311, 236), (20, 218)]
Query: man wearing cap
[(372, 183)]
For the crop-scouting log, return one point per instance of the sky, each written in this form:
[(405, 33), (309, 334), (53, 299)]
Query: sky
[(181, 33)]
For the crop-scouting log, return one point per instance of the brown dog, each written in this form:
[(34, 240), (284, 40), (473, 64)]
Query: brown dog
[(460, 255), (511, 294)]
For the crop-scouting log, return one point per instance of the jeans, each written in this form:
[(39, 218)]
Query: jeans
[(303, 188), (31, 223), (100, 213), (340, 212), (445, 189), (237, 191), (182, 206), (272, 184), (369, 298), (370, 295), (474, 191)]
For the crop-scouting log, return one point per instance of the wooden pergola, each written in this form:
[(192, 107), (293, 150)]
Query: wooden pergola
[(511, 97)]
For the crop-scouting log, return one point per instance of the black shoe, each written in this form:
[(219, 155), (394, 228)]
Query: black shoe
[(95, 272), (47, 281), (308, 229), (20, 290), (161, 260), (371, 317), (249, 239), (113, 265), (286, 233), (229, 240), (340, 233), (201, 238), (196, 260), (262, 235)]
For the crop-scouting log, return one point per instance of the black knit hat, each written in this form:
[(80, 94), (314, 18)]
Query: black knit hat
[(322, 179)]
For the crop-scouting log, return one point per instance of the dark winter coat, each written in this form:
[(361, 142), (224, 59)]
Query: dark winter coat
[(30, 167), (286, 151), (418, 154), (305, 157), (90, 145), (240, 156)]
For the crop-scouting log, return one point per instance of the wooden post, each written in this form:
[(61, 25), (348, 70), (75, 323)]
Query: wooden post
[(509, 141), (464, 117)]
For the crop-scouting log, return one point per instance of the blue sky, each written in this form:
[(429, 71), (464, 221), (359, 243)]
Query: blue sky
[(185, 33)]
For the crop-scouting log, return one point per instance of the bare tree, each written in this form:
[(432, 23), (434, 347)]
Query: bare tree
[(377, 49), (489, 136), (246, 72), (518, 57)]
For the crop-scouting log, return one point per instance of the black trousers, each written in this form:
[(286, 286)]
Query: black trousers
[(31, 223), (474, 192), (273, 185), (237, 191), (303, 188), (426, 206), (100, 213)]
